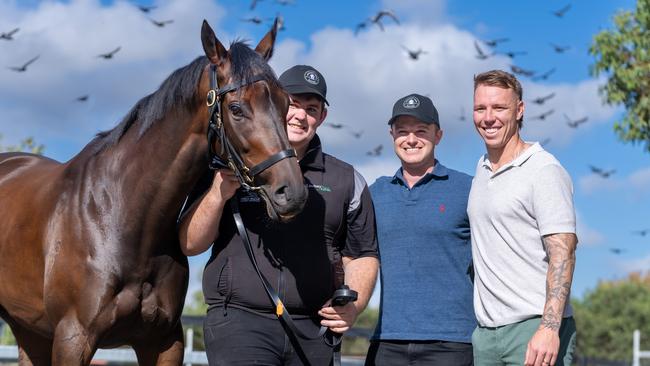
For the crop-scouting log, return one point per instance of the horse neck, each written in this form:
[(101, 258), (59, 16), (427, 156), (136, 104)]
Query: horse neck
[(148, 178)]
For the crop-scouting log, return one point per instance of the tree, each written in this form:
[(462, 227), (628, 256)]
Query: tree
[(623, 54), (608, 315), (28, 145)]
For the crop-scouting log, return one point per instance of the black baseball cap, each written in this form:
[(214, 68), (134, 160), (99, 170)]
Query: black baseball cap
[(304, 79), (418, 106)]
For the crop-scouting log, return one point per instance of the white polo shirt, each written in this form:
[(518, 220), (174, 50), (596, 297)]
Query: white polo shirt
[(510, 210)]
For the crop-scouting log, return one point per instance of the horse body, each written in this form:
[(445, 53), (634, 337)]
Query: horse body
[(67, 234), (89, 252)]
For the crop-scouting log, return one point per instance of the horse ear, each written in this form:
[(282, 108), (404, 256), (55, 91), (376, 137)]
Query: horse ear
[(214, 50), (265, 47)]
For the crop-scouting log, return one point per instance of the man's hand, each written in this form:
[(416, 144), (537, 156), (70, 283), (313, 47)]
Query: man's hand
[(226, 183), (543, 348), (338, 318)]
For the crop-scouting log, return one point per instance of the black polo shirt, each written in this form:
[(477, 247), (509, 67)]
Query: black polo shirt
[(302, 258)]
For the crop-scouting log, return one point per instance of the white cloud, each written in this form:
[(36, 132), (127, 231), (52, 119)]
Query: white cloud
[(640, 179), (368, 72), (636, 265)]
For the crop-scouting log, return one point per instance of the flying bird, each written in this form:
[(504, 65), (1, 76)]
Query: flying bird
[(575, 123), (376, 151), (254, 20), (519, 71), (253, 4), (512, 54), (542, 100), (357, 134), (414, 55), (9, 35), (643, 232), (560, 13), (559, 49), (545, 75), (161, 23), (543, 115), (480, 54), (601, 172), (376, 19), (82, 98), (146, 9), (336, 126), (359, 27), (285, 2), (494, 42), (23, 68), (616, 250), (110, 55)]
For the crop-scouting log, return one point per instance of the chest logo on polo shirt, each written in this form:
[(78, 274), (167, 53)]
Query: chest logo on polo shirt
[(442, 208), (319, 187)]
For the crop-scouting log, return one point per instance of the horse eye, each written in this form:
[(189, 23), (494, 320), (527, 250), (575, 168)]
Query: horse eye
[(236, 110)]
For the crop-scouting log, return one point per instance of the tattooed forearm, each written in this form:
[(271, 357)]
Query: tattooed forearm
[(560, 249)]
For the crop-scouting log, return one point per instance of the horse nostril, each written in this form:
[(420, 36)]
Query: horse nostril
[(280, 195)]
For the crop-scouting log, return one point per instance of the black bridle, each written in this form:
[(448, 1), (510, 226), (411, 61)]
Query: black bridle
[(216, 130)]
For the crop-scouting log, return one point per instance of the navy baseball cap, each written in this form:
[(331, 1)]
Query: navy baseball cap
[(418, 106), (304, 79)]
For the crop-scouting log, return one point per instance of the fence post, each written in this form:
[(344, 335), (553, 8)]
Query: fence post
[(636, 348), (189, 345)]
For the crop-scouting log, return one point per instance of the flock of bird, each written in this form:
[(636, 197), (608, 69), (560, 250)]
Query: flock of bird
[(484, 50), (414, 54), (9, 36)]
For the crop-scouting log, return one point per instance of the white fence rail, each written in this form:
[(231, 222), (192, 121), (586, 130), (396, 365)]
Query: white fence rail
[(637, 354), (10, 353)]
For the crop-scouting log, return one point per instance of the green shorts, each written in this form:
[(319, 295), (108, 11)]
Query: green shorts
[(506, 345)]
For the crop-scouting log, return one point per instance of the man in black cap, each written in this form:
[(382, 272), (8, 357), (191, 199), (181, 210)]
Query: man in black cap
[(332, 242), (426, 312)]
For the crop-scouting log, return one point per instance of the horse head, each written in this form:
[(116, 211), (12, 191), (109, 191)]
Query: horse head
[(248, 109)]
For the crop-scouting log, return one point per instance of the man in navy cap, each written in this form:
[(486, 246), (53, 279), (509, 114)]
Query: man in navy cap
[(426, 314), (332, 242)]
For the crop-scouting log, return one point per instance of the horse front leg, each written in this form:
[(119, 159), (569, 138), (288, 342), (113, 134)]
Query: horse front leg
[(166, 351), (33, 349), (73, 344)]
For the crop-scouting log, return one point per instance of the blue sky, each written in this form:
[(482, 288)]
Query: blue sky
[(366, 73)]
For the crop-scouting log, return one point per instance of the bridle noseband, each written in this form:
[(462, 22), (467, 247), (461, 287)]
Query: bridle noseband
[(216, 131)]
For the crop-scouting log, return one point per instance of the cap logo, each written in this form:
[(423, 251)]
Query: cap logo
[(411, 102), (311, 77)]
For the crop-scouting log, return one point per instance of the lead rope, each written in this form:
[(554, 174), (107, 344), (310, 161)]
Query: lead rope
[(280, 311)]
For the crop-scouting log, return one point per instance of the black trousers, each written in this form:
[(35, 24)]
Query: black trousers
[(416, 353), (239, 337)]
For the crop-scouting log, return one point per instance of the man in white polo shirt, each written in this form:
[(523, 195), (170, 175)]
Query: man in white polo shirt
[(522, 223)]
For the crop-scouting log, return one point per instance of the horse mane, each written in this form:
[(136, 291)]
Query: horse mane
[(180, 87)]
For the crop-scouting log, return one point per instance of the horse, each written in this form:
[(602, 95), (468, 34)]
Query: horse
[(89, 250)]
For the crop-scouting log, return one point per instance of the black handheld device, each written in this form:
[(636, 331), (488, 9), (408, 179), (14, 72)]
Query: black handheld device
[(343, 296)]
